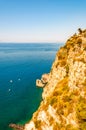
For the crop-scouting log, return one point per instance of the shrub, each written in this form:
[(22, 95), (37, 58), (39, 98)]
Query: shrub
[(81, 113), (79, 41), (37, 123), (53, 100)]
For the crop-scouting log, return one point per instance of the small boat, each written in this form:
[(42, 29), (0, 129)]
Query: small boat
[(11, 81)]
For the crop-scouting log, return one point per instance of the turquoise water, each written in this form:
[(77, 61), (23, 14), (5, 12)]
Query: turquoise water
[(20, 66)]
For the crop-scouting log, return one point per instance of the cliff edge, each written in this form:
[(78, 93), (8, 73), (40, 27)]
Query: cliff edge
[(64, 96)]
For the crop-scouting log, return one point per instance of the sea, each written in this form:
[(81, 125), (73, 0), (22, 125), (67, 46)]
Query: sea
[(20, 65)]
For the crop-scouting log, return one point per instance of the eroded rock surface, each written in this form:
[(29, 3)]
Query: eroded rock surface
[(43, 81)]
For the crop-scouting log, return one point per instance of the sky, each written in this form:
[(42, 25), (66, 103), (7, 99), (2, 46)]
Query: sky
[(40, 21)]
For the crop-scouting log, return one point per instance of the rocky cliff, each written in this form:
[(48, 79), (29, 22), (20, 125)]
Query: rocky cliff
[(64, 96)]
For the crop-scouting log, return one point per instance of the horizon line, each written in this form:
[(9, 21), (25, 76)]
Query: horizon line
[(31, 42)]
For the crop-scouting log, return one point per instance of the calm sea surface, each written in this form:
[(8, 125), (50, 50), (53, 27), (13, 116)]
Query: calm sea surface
[(20, 66)]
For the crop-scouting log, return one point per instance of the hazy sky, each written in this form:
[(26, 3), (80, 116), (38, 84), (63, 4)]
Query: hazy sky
[(40, 20)]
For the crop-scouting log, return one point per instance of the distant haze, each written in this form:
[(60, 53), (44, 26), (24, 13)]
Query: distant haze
[(40, 20)]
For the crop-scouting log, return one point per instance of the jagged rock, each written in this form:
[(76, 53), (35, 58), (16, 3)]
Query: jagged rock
[(42, 82), (45, 78), (80, 30), (39, 83), (17, 127)]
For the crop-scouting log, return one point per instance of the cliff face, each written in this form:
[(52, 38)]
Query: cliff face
[(64, 96)]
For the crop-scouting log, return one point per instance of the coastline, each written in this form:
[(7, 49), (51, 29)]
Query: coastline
[(19, 61), (66, 86), (39, 66)]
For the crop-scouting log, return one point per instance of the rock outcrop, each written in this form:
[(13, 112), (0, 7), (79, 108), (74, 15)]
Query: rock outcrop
[(43, 81), (17, 127), (64, 96)]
